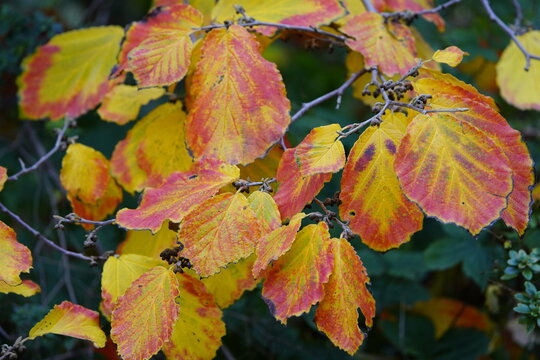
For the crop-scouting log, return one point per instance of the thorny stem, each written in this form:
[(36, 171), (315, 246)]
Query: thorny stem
[(511, 33)]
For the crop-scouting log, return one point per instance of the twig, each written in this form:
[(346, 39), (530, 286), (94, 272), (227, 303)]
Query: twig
[(412, 15), (519, 14), (11, 351), (244, 185), (73, 218), (511, 33), (329, 217), (369, 6)]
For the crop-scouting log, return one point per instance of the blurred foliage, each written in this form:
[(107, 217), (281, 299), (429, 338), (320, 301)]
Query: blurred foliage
[(440, 261)]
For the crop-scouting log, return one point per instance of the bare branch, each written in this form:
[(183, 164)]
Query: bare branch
[(511, 33), (76, 219), (412, 15), (244, 185), (519, 13), (369, 6)]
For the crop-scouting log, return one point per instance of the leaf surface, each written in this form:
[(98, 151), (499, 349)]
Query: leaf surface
[(239, 108), (71, 320), (177, 196), (452, 56), (221, 230), (371, 195), (16, 257), (344, 294), (70, 74), (145, 243), (3, 177), (266, 210), (320, 151), (26, 288), (123, 102), (144, 317), (453, 171), (295, 281)]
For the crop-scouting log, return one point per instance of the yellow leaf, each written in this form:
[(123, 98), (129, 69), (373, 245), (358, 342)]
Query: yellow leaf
[(320, 151), (3, 177), (452, 56), (145, 243), (15, 258), (123, 102), (26, 288), (71, 320), (266, 210)]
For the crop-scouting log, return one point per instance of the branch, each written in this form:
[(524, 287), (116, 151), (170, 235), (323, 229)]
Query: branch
[(412, 15), (12, 351), (329, 217), (244, 185), (511, 33), (57, 146), (39, 236), (519, 13), (369, 6), (76, 219)]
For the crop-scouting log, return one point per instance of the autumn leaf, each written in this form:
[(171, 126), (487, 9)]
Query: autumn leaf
[(371, 195), (266, 211), (144, 316), (345, 293), (70, 74), (138, 162), (389, 46), (453, 171), (520, 87), (198, 331), (71, 320), (123, 102), (320, 151), (452, 56), (16, 258), (3, 177), (118, 274), (177, 196), (221, 230), (295, 190), (239, 108), (145, 243), (229, 284), (26, 288), (295, 281)]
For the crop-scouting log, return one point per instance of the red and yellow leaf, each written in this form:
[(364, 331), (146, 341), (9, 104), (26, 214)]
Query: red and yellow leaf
[(345, 293), (229, 284), (145, 243), (221, 230), (295, 281), (118, 274), (389, 46), (138, 161), (177, 196), (71, 320), (452, 56), (26, 288), (275, 244), (266, 211), (239, 108), (158, 49), (320, 151), (198, 331), (520, 87), (70, 74), (16, 258), (144, 317), (371, 195), (453, 171), (123, 102), (295, 190), (3, 177)]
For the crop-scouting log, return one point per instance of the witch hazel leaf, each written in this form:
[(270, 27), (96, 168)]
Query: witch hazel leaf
[(198, 331), (26, 288), (321, 151), (221, 230), (276, 243), (239, 106), (452, 56), (144, 316), (3, 177), (295, 190), (138, 162), (123, 102), (291, 12), (344, 293), (71, 320), (295, 281), (145, 243), (453, 171), (371, 195), (70, 74), (389, 46), (177, 196), (266, 210), (16, 258)]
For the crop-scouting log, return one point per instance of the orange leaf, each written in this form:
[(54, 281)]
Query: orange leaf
[(198, 331), (144, 317), (276, 243), (372, 199), (221, 230), (295, 190), (123, 102), (177, 196), (452, 56), (3, 177), (16, 257), (70, 74), (320, 151), (453, 171), (295, 281), (138, 161), (26, 288), (391, 47), (344, 294), (239, 108), (266, 211), (145, 243), (71, 320)]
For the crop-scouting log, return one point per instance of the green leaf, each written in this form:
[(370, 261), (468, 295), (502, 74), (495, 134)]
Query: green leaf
[(446, 252)]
